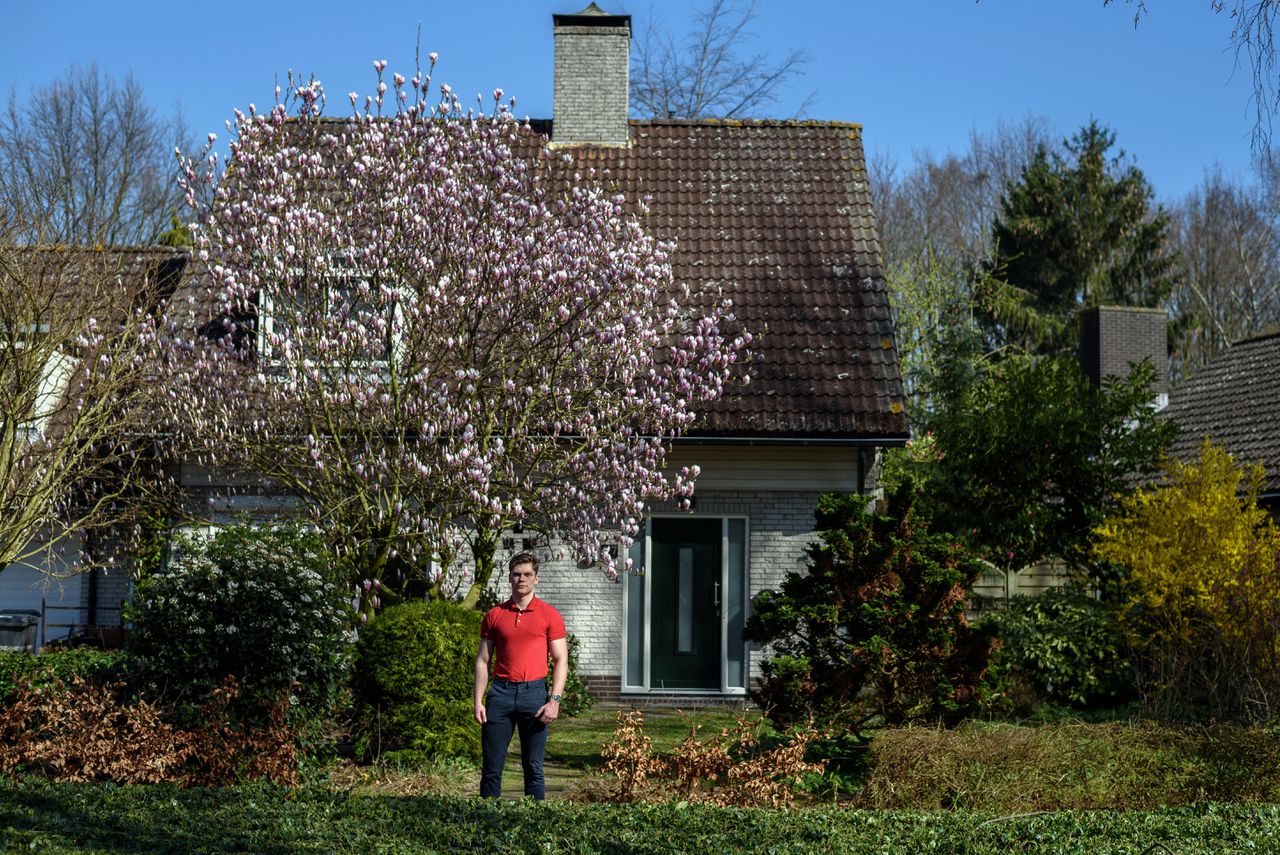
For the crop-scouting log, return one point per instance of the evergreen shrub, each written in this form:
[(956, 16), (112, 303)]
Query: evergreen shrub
[(260, 605), (875, 631), (1066, 647), (413, 681), (577, 699)]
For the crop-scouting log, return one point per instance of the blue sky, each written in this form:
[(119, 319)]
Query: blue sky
[(918, 75)]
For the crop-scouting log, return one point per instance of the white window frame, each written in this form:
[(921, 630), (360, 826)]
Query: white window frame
[(267, 321)]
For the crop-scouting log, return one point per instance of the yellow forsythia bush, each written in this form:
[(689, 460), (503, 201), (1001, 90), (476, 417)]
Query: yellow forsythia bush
[(1201, 591)]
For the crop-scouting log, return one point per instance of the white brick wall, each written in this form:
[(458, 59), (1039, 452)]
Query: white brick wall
[(780, 526)]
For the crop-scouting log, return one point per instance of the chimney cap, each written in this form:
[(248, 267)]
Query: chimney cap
[(592, 16)]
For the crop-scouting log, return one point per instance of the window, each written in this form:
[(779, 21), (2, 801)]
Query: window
[(35, 375), (341, 323)]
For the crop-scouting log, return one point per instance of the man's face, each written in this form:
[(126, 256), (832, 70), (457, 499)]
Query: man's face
[(523, 579)]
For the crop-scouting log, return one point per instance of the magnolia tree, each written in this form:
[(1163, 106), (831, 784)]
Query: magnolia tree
[(434, 330)]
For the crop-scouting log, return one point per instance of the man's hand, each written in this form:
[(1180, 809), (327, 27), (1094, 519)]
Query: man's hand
[(481, 715), (548, 712)]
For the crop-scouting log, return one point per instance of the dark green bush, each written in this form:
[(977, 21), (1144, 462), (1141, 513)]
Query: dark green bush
[(875, 631), (577, 699), (1066, 647), (413, 681), (50, 667), (37, 816), (257, 604)]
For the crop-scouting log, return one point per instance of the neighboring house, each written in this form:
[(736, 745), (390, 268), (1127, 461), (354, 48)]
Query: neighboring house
[(49, 294), (1235, 402), (779, 215)]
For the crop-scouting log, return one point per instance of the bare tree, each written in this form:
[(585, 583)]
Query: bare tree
[(935, 222), (1253, 40), (88, 162), (75, 326), (1229, 288), (944, 205), (711, 73)]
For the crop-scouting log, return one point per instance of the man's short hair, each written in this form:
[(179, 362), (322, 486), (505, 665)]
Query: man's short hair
[(522, 558)]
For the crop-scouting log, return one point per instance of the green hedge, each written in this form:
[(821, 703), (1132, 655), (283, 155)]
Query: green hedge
[(43, 817), (90, 664), (1066, 647), (413, 681)]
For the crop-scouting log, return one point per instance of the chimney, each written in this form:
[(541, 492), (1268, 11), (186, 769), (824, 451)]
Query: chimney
[(593, 52), (1112, 338)]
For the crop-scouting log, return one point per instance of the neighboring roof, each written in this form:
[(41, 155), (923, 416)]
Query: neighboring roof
[(779, 213), (69, 285), (1234, 401), (87, 276)]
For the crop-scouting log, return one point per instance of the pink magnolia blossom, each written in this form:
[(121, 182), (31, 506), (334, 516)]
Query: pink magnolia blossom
[(435, 330)]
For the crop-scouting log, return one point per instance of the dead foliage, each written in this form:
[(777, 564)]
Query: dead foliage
[(81, 732), (727, 769), (1070, 766), (447, 776)]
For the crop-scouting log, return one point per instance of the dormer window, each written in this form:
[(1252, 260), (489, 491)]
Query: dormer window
[(35, 376), (340, 320)]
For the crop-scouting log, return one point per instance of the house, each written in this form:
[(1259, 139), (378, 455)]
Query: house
[(1234, 401), (779, 215), (48, 298)]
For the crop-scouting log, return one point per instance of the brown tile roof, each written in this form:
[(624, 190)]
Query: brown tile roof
[(779, 214), (1235, 401)]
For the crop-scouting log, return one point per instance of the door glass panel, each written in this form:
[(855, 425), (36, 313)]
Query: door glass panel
[(735, 604), (684, 611)]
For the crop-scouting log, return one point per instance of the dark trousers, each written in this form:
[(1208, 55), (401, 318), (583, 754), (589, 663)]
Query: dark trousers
[(509, 707)]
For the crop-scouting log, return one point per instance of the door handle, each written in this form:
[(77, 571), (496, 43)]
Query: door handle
[(717, 596)]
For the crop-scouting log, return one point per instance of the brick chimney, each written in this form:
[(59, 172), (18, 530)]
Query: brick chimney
[(593, 54), (1112, 338)]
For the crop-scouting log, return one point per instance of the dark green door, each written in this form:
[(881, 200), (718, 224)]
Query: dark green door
[(684, 639)]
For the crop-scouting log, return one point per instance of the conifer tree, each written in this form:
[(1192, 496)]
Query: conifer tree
[(1077, 230)]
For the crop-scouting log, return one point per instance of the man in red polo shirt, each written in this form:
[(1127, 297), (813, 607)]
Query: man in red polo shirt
[(517, 635)]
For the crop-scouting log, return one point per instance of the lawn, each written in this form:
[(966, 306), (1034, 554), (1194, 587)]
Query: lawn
[(353, 809), (65, 818)]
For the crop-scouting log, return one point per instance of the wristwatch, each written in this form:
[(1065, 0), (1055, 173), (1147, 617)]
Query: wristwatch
[(556, 698)]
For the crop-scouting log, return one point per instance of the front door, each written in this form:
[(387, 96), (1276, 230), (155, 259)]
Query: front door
[(685, 617)]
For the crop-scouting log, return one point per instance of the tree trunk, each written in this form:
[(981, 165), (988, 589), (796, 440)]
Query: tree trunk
[(483, 546)]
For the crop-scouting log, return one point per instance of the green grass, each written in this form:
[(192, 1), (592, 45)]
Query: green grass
[(1134, 765), (48, 818)]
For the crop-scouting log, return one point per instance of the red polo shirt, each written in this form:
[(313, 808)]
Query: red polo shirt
[(522, 638)]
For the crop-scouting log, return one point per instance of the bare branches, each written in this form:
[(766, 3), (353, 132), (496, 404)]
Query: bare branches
[(74, 327), (1253, 39), (86, 161), (708, 74)]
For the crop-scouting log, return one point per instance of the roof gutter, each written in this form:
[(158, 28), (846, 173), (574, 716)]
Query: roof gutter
[(837, 442)]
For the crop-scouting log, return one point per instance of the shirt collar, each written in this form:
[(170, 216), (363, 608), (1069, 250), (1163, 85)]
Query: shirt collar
[(511, 605)]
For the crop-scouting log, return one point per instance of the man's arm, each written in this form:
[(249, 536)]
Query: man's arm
[(482, 677), (559, 674)]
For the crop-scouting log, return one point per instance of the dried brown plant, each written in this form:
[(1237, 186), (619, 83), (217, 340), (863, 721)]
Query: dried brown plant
[(728, 769), (83, 732)]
